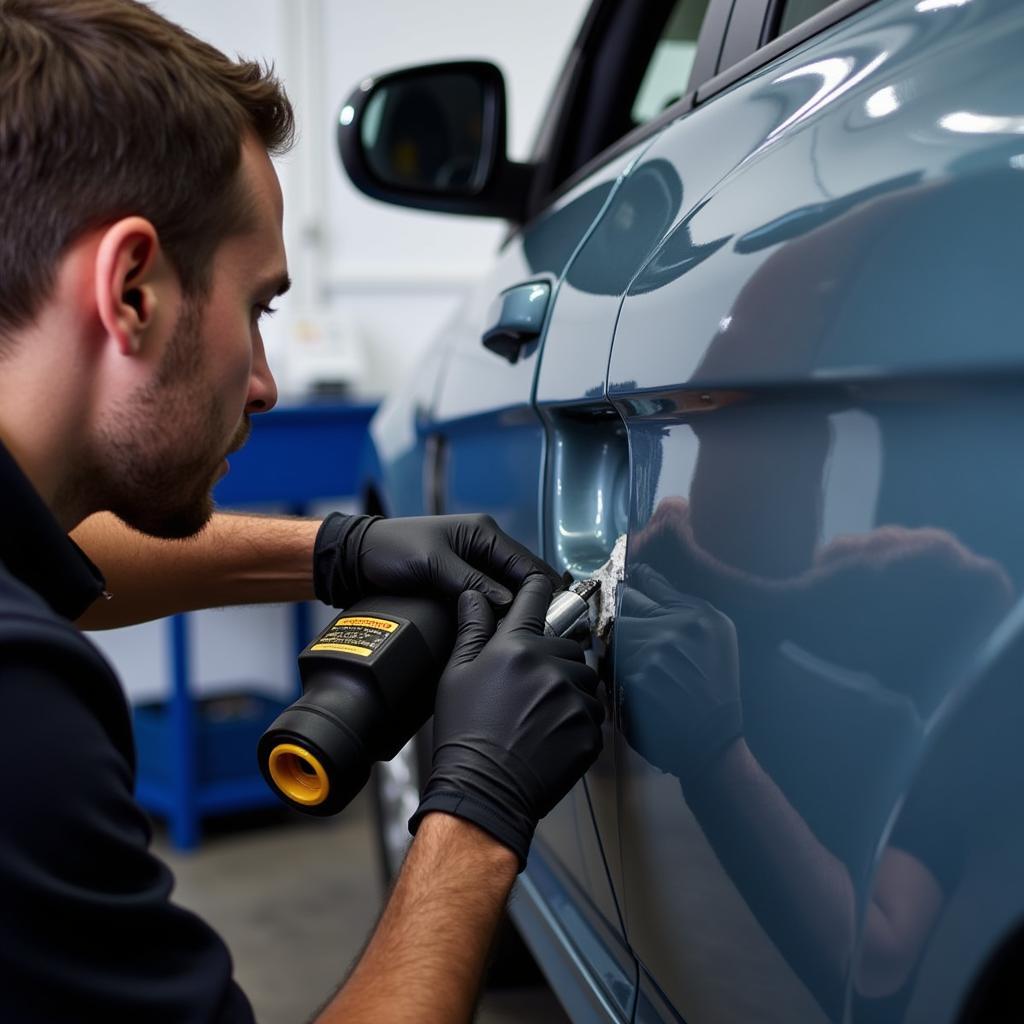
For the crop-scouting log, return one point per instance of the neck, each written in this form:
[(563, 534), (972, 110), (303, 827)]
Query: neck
[(43, 423)]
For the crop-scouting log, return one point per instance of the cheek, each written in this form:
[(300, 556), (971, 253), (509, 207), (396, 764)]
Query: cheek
[(231, 349), (242, 362)]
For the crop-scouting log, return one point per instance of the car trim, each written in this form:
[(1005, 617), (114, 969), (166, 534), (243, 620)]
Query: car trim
[(709, 47), (772, 18), (567, 971), (626, 142), (710, 41), (550, 140), (720, 25), (830, 16), (745, 32)]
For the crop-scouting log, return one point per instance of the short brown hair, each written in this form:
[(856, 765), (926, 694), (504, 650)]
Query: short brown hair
[(109, 110)]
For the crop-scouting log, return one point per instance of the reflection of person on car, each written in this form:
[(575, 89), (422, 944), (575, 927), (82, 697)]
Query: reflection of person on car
[(679, 660), (838, 653)]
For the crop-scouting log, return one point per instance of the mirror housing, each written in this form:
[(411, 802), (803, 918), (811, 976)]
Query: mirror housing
[(433, 137)]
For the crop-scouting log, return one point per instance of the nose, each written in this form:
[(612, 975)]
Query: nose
[(262, 386)]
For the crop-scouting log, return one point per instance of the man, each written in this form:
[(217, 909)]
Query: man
[(140, 243)]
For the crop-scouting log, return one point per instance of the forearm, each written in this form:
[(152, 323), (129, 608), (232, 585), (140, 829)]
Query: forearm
[(427, 955), (236, 559), (800, 892), (803, 894)]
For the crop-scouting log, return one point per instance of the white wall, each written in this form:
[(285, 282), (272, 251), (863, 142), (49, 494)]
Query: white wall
[(379, 276), (371, 280)]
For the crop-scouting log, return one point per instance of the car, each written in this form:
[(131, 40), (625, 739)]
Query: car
[(757, 312)]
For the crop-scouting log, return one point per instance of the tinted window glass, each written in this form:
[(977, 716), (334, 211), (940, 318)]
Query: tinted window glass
[(795, 11), (668, 71)]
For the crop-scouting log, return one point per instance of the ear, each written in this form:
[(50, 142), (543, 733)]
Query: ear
[(125, 269)]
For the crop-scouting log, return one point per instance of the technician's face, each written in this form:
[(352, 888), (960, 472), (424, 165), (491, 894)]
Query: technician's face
[(176, 431)]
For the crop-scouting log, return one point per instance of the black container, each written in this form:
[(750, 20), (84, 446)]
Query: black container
[(368, 682)]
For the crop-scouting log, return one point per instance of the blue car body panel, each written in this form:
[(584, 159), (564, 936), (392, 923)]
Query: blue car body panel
[(783, 355), (817, 372), (468, 418)]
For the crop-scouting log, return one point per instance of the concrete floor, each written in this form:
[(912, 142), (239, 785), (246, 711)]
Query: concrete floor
[(295, 899)]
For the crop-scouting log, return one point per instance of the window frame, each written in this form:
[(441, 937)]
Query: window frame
[(572, 93), (735, 40), (748, 44)]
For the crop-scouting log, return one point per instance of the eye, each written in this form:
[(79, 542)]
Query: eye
[(259, 311)]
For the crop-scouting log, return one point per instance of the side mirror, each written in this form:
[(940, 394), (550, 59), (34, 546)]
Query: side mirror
[(433, 137)]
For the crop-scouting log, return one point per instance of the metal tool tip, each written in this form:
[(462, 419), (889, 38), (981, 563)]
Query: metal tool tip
[(586, 588)]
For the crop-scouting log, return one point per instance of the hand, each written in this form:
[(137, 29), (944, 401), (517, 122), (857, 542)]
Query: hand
[(677, 658), (516, 722), (355, 556)]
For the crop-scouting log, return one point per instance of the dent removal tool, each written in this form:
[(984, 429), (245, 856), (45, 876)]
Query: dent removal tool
[(369, 681)]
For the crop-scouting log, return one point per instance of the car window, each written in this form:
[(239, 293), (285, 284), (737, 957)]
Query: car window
[(635, 59), (668, 70), (796, 11)]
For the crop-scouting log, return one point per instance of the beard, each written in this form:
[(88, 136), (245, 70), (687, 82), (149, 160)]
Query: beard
[(160, 452)]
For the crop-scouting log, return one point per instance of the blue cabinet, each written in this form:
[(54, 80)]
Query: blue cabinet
[(198, 758)]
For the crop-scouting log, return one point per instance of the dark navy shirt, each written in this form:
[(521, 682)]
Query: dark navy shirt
[(87, 928)]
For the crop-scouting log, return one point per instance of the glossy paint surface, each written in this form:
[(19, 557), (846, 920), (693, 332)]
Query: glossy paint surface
[(464, 403), (820, 370), (575, 357)]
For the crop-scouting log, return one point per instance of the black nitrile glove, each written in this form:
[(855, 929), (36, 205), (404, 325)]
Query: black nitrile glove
[(516, 722), (356, 556), (677, 659)]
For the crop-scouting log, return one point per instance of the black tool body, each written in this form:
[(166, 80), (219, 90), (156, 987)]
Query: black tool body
[(369, 682)]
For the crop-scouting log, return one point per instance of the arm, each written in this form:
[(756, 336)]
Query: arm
[(428, 953), (679, 661), (235, 559), (516, 724), (249, 559), (801, 892)]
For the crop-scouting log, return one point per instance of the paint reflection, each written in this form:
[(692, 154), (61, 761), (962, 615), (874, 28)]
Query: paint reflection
[(840, 653)]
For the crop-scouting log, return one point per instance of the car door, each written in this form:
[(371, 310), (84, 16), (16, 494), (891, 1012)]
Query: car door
[(818, 372), (473, 407), (582, 501)]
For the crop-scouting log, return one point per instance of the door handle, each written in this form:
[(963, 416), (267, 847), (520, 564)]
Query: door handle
[(587, 486), (517, 317)]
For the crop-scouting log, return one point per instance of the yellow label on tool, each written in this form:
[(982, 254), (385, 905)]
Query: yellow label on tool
[(345, 648), (365, 620), (361, 635)]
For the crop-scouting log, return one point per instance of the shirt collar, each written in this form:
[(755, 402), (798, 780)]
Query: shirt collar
[(35, 549)]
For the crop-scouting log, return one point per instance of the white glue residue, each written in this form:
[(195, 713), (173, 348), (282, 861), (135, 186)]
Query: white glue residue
[(610, 576)]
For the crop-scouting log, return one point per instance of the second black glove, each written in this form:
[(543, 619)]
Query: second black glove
[(516, 722)]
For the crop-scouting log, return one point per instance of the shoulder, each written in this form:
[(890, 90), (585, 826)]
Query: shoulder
[(74, 859), (18, 598), (35, 641), (88, 919)]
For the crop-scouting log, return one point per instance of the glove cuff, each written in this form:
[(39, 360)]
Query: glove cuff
[(336, 577), (512, 830)]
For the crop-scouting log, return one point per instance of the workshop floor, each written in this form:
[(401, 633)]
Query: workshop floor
[(295, 900)]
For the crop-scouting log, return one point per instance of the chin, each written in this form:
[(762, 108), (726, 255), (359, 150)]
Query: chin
[(170, 523)]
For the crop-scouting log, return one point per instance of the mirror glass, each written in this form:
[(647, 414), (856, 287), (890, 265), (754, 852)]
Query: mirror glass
[(426, 132)]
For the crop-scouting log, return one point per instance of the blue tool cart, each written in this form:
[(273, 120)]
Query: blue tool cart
[(198, 757)]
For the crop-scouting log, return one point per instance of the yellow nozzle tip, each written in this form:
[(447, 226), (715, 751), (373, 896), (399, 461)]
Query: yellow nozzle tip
[(298, 774)]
